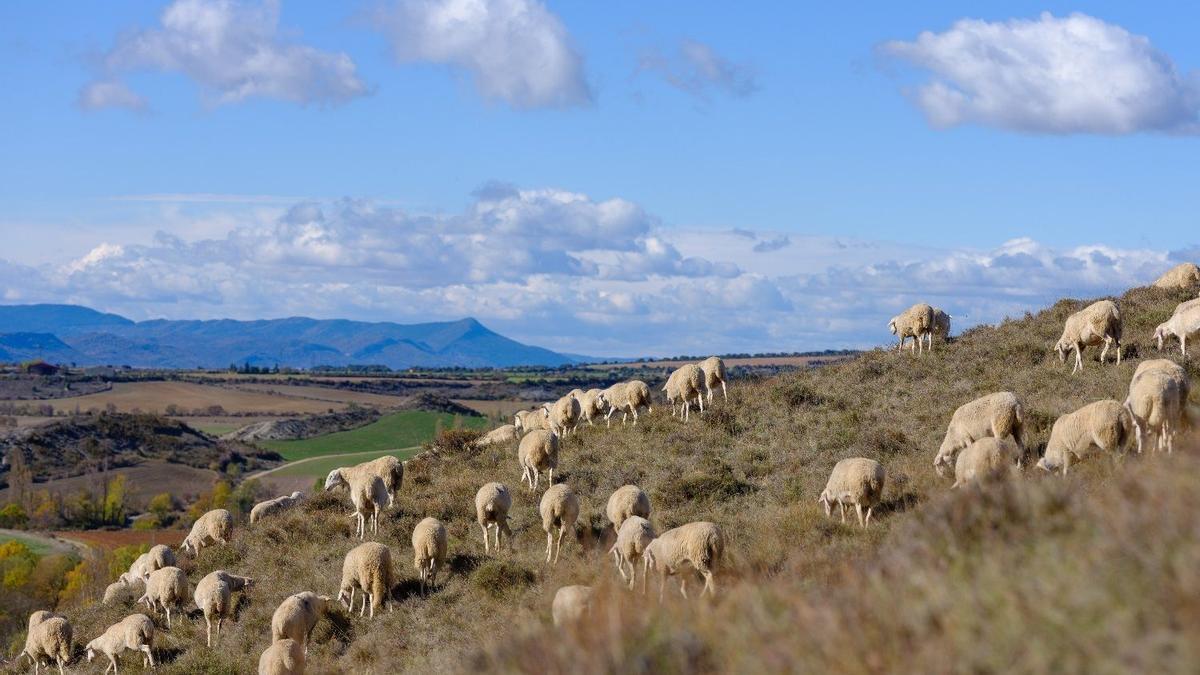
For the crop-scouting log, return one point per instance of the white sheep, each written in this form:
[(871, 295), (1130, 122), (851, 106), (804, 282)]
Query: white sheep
[(1098, 323), (368, 493), (124, 590), (158, 557), (699, 545), (999, 415), (626, 501), (430, 545), (48, 639), (214, 527), (1106, 425), (506, 433), (367, 567), (296, 617), (492, 503), (390, 470), (591, 405), (941, 327), (634, 535), (571, 603), (858, 481), (214, 597), (526, 421), (284, 657), (538, 452), (1184, 321), (559, 509), (563, 415), (985, 458), (271, 507), (628, 397), (166, 588), (1184, 275), (915, 322), (135, 632), (1157, 400), (714, 374), (685, 385)]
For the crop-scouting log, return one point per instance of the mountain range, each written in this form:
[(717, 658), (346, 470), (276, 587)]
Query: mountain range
[(83, 336)]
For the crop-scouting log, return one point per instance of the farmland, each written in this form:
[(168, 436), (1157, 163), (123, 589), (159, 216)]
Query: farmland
[(398, 430), (155, 396)]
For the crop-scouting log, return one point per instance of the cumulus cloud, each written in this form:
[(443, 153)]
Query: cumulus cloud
[(697, 69), (516, 51), (1056, 75), (233, 50)]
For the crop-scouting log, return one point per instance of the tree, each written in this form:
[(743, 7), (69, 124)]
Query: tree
[(161, 505)]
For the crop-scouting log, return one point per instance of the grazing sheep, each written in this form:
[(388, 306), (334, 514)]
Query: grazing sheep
[(559, 509), (48, 639), (626, 501), (941, 327), (165, 588), (563, 415), (628, 397), (214, 527), (214, 597), (368, 493), (135, 632), (1098, 323), (124, 590), (1106, 425), (367, 567), (985, 458), (698, 544), (526, 421), (158, 557), (858, 481), (915, 322), (273, 506), (1184, 321), (571, 603), (492, 503), (591, 405), (1184, 275), (714, 374), (538, 452), (1157, 400), (999, 415), (429, 550), (296, 617), (284, 657), (503, 434), (633, 537), (390, 470), (684, 385)]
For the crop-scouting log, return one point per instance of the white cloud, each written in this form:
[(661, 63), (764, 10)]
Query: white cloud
[(696, 68), (109, 94), (516, 51), (233, 50), (1058, 75)]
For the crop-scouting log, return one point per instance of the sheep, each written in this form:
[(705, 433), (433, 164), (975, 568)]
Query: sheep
[(628, 397), (492, 503), (273, 506), (591, 405), (158, 557), (503, 434), (985, 458), (214, 527), (390, 470), (698, 544), (49, 638), (284, 657), (1184, 321), (165, 588), (571, 603), (538, 452), (367, 567), (858, 481), (559, 508), (368, 493), (997, 415), (296, 617), (214, 595), (1106, 425), (1184, 275), (626, 501), (915, 322), (124, 590), (429, 550), (714, 374), (526, 421), (941, 327), (1157, 401), (684, 385), (562, 415), (634, 535), (1098, 323), (135, 632)]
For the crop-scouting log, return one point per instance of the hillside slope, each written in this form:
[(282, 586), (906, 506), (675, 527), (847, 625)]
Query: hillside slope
[(1094, 573)]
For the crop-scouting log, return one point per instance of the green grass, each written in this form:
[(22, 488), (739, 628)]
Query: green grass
[(321, 467), (398, 430), (215, 429), (39, 547)]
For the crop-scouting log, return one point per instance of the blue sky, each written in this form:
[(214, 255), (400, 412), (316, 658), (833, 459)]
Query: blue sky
[(610, 178)]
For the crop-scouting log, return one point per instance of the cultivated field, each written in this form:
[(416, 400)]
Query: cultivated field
[(731, 362), (320, 393), (155, 396), (107, 540), (397, 430), (501, 408)]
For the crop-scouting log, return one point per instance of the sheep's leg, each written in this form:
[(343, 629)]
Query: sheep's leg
[(635, 416), (168, 616), (550, 477), (558, 547), (486, 538), (112, 664), (149, 657), (710, 583), (1104, 352), (645, 575), (858, 509), (549, 545), (683, 586), (724, 393), (662, 587), (870, 509), (208, 631), (842, 510)]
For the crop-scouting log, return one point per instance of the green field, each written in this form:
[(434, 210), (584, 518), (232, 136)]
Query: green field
[(321, 467), (398, 430), (39, 546)]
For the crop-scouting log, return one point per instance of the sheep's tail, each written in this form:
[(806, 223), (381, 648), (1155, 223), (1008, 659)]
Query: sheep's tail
[(714, 546)]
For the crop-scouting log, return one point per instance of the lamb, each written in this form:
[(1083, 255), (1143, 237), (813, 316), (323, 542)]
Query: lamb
[(628, 397), (1098, 323), (634, 535), (503, 434), (273, 506), (941, 326), (124, 590), (1106, 425), (684, 385), (1184, 321), (986, 458), (858, 481), (429, 550), (296, 617), (1157, 401), (492, 503), (714, 374), (368, 493), (698, 544), (538, 452), (526, 421), (998, 415), (165, 588), (135, 632), (214, 597), (626, 501), (284, 657), (571, 603), (214, 527), (915, 322), (367, 567), (49, 638), (559, 508), (591, 405), (562, 415), (1184, 275)]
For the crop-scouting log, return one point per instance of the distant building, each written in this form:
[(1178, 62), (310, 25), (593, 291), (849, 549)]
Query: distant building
[(41, 368)]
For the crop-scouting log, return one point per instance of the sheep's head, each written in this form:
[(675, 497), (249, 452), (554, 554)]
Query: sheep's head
[(1061, 348), (945, 458), (334, 479), (602, 402), (297, 495), (1160, 333), (826, 500), (91, 652), (188, 546), (519, 421), (1047, 465)]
